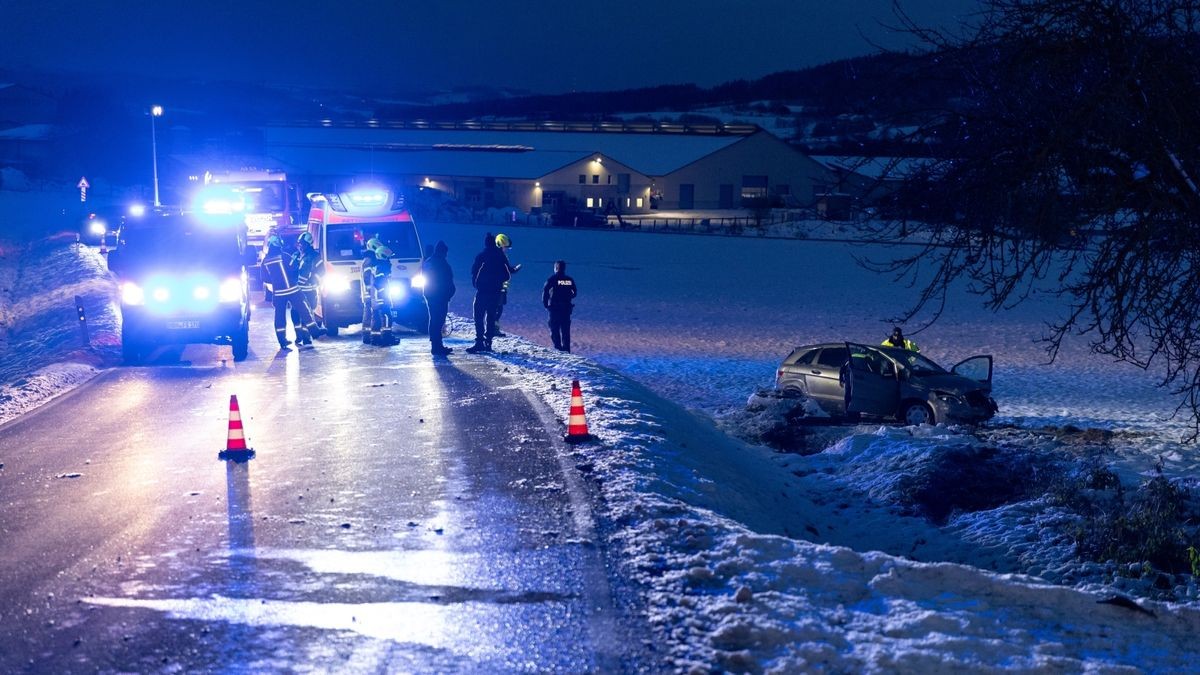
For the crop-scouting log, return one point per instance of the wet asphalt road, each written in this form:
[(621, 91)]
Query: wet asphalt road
[(403, 514)]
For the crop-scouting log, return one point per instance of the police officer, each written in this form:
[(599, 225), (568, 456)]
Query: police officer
[(439, 288), (504, 243), (557, 296), (488, 274), (307, 264), (897, 339), (285, 290)]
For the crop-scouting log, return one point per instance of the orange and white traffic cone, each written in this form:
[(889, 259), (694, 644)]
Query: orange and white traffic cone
[(577, 430), (235, 444)]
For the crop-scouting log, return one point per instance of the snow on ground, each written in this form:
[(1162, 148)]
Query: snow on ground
[(750, 559), (42, 350)]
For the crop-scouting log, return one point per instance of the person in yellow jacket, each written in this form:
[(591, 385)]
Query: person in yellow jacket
[(898, 340)]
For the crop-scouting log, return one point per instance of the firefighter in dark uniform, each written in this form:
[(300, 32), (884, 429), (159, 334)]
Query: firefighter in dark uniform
[(489, 272), (368, 288), (307, 263), (558, 297), (439, 288), (381, 302), (284, 291), (504, 243)]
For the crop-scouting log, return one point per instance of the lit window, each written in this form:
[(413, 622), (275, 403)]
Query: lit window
[(639, 202), (628, 201), (591, 202), (600, 202)]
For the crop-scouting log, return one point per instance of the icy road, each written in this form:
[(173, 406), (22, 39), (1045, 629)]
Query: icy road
[(402, 514)]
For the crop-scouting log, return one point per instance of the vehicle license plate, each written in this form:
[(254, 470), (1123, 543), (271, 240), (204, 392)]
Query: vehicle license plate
[(179, 325)]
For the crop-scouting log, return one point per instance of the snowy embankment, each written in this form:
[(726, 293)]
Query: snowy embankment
[(712, 533), (43, 352)]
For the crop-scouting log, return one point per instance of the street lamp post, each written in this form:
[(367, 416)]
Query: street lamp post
[(155, 111)]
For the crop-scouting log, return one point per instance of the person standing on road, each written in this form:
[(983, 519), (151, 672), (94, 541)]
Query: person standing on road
[(504, 243), (307, 264), (439, 288), (367, 283), (381, 303), (558, 296), (284, 292), (488, 274)]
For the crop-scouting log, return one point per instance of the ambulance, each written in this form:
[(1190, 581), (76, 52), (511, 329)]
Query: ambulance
[(341, 224)]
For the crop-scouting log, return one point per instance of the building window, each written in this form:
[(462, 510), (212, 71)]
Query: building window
[(628, 202), (754, 187), (582, 178), (591, 203), (639, 202), (600, 203), (595, 179), (608, 177)]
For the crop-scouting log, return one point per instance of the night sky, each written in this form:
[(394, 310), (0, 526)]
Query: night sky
[(546, 46)]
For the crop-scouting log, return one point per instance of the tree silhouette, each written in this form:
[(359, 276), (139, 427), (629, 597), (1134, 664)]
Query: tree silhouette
[(1070, 163)]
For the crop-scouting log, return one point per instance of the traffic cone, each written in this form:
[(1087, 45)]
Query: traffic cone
[(577, 430), (235, 444)]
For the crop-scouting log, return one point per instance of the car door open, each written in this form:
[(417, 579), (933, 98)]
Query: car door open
[(872, 382), (978, 368)]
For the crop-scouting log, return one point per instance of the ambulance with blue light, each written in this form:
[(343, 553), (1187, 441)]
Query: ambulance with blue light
[(341, 224), (182, 280)]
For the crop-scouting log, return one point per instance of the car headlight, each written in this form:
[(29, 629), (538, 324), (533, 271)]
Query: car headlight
[(97, 227), (947, 397), (396, 290), (161, 294), (336, 283), (418, 281), (132, 294), (201, 292), (230, 290)]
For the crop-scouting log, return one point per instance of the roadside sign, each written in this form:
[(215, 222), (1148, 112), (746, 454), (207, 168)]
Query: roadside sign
[(83, 185)]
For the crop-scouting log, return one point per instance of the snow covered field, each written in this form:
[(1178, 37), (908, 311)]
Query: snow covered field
[(755, 560)]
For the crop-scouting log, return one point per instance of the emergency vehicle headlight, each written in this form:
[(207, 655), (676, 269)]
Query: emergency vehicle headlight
[(231, 290), (336, 282), (161, 294), (97, 227), (396, 291), (137, 210), (201, 292), (418, 281), (132, 294)]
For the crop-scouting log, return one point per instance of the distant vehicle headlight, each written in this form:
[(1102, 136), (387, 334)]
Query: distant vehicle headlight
[(336, 283), (132, 294), (396, 291), (418, 281), (201, 292), (97, 227), (161, 294), (231, 290)]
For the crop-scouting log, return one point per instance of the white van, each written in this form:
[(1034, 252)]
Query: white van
[(341, 223)]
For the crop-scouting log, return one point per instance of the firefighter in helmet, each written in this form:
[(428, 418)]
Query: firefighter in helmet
[(307, 264), (282, 277)]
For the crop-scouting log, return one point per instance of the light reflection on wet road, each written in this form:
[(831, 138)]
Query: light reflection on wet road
[(402, 514)]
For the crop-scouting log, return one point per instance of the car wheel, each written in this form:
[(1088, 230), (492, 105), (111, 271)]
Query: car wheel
[(241, 343), (796, 390), (916, 413), (131, 351)]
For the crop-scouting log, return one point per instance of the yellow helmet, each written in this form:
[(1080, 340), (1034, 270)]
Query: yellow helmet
[(503, 241)]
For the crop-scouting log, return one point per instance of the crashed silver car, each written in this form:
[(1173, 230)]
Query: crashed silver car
[(851, 379)]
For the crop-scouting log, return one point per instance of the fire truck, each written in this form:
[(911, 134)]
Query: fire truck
[(267, 201), (341, 224)]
